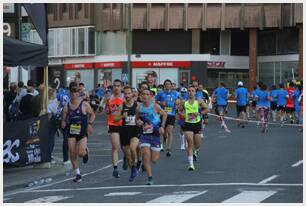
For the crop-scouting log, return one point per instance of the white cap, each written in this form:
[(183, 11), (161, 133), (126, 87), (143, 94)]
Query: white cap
[(183, 89), (240, 83)]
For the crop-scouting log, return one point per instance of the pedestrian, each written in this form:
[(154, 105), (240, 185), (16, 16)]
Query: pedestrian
[(148, 116), (113, 109), (83, 92), (129, 136), (192, 127), (168, 100), (10, 101), (220, 95), (263, 99), (78, 117), (281, 97), (241, 94)]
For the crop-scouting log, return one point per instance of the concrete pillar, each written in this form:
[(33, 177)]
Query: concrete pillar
[(195, 41), (300, 51), (252, 57)]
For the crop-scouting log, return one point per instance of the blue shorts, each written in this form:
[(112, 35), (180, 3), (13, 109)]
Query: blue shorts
[(181, 122), (151, 141), (221, 108)]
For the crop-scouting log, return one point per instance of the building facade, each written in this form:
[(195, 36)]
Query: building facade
[(211, 43)]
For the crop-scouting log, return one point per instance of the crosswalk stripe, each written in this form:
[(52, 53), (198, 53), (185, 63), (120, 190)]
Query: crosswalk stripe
[(250, 197), (49, 199), (297, 164), (177, 197), (122, 194)]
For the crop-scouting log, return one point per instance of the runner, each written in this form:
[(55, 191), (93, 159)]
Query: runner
[(192, 127), (148, 116), (79, 127), (290, 103), (241, 94), (129, 137), (281, 97), (168, 100), (263, 99), (113, 110), (220, 95), (273, 102)]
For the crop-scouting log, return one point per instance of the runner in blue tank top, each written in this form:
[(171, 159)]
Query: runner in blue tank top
[(168, 100), (148, 116)]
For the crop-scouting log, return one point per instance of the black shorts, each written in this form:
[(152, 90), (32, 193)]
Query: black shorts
[(281, 108), (205, 116), (170, 120), (81, 135), (254, 103), (273, 105), (241, 109), (114, 129), (193, 127), (127, 133), (290, 109)]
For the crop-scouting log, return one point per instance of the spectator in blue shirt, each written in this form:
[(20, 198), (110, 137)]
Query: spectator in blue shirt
[(241, 95), (220, 95)]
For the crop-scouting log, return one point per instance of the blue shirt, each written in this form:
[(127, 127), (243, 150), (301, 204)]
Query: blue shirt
[(281, 97), (184, 95), (242, 96), (274, 95), (295, 96), (150, 118), (199, 95), (262, 98), (169, 97), (221, 93)]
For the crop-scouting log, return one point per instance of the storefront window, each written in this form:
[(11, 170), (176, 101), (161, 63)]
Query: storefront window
[(210, 42), (287, 41), (229, 77), (81, 41), (266, 73), (239, 43), (266, 43), (91, 41)]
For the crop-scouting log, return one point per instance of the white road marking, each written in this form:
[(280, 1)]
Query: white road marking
[(54, 183), (122, 194), (250, 197), (268, 179), (158, 186), (297, 164), (177, 197), (6, 199), (91, 155), (49, 199)]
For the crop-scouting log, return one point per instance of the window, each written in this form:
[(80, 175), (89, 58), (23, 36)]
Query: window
[(81, 41), (210, 42), (91, 41), (287, 41), (239, 42), (64, 8), (50, 8), (79, 7), (51, 38), (266, 43)]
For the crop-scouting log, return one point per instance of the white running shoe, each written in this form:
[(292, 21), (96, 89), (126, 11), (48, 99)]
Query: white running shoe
[(182, 146), (202, 136)]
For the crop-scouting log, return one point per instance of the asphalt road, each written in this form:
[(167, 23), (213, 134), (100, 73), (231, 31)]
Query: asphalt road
[(242, 166)]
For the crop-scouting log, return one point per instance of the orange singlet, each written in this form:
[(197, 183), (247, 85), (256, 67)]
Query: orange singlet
[(115, 105)]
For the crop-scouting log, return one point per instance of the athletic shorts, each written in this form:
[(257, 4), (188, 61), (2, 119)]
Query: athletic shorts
[(81, 132), (193, 127), (78, 138), (254, 103), (281, 108), (181, 122), (273, 105), (221, 108), (151, 141), (114, 129), (290, 109), (127, 133), (170, 120), (241, 109)]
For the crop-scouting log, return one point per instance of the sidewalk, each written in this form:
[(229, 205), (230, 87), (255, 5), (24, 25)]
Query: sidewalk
[(14, 178)]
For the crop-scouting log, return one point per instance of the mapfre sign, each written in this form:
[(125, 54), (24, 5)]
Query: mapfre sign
[(161, 64), (215, 64)]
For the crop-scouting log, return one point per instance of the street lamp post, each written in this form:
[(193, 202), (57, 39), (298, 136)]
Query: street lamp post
[(129, 43)]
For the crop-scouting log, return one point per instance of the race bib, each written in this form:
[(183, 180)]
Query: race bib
[(130, 120), (191, 118), (75, 129), (148, 129), (168, 109)]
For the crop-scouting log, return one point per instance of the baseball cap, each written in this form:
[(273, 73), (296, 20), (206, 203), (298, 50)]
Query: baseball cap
[(240, 83), (183, 89)]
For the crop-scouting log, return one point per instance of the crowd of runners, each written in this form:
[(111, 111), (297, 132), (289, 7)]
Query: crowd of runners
[(140, 121)]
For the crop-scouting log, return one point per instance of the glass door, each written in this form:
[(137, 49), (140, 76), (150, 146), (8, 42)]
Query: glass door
[(184, 78)]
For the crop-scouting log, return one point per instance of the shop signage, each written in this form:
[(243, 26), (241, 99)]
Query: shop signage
[(161, 64), (215, 64), (100, 65), (78, 66)]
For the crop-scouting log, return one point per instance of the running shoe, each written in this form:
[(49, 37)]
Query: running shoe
[(282, 124), (182, 146), (85, 157), (143, 169), (78, 178), (116, 173), (138, 165), (134, 173), (227, 130), (191, 168), (195, 155), (161, 147), (150, 182), (125, 164), (168, 154)]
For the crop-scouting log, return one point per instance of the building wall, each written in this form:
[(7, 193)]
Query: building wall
[(113, 43)]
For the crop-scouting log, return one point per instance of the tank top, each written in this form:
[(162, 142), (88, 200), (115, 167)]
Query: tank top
[(290, 102), (77, 121), (150, 118), (189, 118), (130, 120), (115, 107)]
